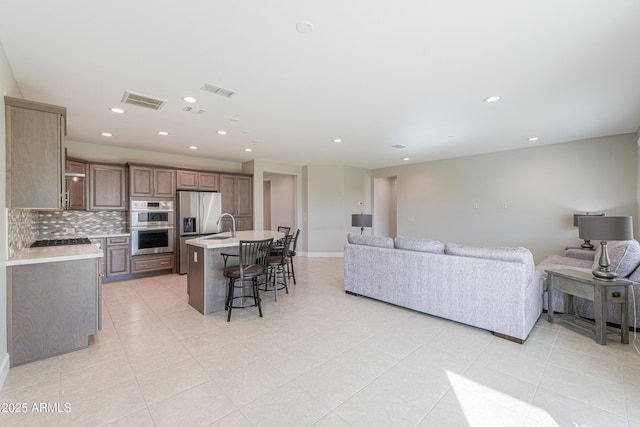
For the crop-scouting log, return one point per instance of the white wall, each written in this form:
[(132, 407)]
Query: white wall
[(542, 187), (8, 87)]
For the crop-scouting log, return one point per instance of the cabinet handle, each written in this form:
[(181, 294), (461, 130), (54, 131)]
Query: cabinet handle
[(142, 265), (164, 263)]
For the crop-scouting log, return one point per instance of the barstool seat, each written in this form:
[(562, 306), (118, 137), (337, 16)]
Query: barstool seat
[(277, 262), (253, 256)]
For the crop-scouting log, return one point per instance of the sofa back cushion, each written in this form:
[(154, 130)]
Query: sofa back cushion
[(379, 241), (518, 255), (624, 256), (419, 245)]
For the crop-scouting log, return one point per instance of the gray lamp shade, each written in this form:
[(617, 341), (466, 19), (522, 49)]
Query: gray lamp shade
[(576, 216), (361, 220), (605, 227)]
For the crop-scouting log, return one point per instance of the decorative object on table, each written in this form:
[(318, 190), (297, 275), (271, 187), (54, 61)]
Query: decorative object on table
[(361, 220), (605, 228), (587, 243)]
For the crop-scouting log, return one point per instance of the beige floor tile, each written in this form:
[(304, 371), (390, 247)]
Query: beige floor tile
[(366, 361), (94, 378), (104, 406), (331, 420), (331, 383), (512, 363), (141, 418), (24, 399), (295, 360), (208, 340), (225, 359), (234, 419), (554, 409), (32, 373), (199, 405), (287, 405), (250, 381), (604, 369), (584, 388), (171, 380), (374, 406)]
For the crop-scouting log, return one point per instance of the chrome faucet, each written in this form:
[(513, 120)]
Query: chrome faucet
[(233, 233)]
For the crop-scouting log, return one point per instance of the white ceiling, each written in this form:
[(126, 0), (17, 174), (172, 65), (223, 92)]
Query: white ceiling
[(372, 73)]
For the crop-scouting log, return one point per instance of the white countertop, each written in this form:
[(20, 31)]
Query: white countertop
[(54, 254), (208, 243)]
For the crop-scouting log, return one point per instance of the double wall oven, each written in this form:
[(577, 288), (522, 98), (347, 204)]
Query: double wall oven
[(152, 225)]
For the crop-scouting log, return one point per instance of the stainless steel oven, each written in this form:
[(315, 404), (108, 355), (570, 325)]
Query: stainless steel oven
[(152, 225)]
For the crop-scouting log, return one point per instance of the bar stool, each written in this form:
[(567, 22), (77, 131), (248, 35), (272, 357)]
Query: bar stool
[(277, 263), (253, 257), (292, 252)]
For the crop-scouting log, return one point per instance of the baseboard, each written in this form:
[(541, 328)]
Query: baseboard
[(4, 369), (322, 254)]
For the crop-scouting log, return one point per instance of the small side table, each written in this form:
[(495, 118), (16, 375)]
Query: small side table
[(601, 292)]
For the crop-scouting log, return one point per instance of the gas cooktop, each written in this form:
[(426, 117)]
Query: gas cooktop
[(60, 242)]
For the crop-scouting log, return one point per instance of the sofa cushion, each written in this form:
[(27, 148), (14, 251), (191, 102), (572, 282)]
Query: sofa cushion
[(379, 241), (419, 245), (624, 256), (519, 255)]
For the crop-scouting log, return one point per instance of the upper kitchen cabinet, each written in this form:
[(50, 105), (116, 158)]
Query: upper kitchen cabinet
[(194, 180), (152, 182), (237, 199), (76, 172), (35, 154), (107, 187)]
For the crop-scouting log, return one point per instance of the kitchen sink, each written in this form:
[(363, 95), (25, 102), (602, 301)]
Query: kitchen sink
[(217, 238)]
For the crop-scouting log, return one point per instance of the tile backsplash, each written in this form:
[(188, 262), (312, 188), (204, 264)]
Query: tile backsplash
[(78, 223), (23, 229), (26, 226)]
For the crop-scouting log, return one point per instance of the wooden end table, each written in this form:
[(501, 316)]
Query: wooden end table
[(601, 292)]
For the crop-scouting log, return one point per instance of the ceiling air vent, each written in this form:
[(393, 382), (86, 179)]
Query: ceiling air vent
[(141, 100), (193, 110), (399, 146), (208, 87)]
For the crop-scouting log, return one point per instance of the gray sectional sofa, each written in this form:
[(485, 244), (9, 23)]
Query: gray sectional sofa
[(497, 289)]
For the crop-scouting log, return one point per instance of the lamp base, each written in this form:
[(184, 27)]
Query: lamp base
[(604, 275), (587, 245)]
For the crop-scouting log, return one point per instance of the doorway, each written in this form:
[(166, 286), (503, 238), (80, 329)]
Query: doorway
[(385, 206), (279, 201)]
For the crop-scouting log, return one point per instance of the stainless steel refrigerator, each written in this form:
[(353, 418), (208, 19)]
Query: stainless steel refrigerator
[(198, 212)]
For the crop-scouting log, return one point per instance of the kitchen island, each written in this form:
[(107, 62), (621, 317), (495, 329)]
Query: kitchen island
[(53, 301), (206, 284)]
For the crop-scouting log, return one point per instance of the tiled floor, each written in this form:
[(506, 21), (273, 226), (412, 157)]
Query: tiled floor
[(319, 357)]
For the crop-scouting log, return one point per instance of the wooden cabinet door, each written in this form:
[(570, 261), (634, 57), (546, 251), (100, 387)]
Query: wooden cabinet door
[(76, 186), (227, 189), (244, 196), (164, 182), (141, 181), (208, 181), (35, 155), (107, 187), (186, 180), (118, 260)]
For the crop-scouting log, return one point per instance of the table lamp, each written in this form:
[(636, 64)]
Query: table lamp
[(587, 243), (362, 221), (605, 228)]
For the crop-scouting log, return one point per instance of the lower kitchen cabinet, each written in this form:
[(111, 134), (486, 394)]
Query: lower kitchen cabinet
[(53, 308), (146, 263), (117, 253)]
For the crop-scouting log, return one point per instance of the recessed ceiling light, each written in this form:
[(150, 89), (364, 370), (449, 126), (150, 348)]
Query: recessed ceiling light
[(255, 141), (162, 132), (406, 159), (106, 134), (193, 147), (337, 140), (248, 149), (190, 99), (492, 99), (234, 119), (533, 138), (117, 110), (304, 27), (222, 132)]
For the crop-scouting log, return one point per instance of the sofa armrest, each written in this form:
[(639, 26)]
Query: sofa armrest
[(580, 254)]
